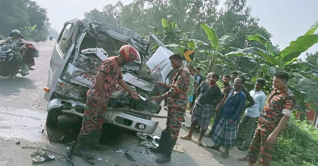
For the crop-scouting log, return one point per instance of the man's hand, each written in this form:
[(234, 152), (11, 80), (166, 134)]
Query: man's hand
[(160, 83), (217, 110), (231, 122), (101, 102), (135, 95), (156, 98), (272, 138), (163, 84)]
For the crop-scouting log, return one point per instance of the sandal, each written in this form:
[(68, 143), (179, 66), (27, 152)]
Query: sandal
[(200, 142), (214, 147), (186, 137), (242, 158), (225, 155)]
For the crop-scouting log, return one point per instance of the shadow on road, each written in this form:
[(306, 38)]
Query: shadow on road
[(9, 86), (234, 154), (68, 128)]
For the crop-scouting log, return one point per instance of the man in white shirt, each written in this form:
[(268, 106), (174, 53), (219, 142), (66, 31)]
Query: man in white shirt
[(252, 113)]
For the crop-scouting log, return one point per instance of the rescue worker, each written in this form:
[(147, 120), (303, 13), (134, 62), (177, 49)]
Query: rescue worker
[(273, 119), (177, 103), (108, 76)]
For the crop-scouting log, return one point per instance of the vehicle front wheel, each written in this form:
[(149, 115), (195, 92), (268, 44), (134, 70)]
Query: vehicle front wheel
[(52, 117)]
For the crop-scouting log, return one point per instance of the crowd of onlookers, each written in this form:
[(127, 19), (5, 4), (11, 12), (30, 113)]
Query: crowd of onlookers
[(227, 103)]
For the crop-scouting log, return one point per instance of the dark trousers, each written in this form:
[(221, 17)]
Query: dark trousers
[(249, 123)]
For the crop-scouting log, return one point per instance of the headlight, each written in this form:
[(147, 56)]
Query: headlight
[(140, 126), (70, 91)]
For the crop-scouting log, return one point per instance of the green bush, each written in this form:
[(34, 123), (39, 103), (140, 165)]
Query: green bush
[(297, 146)]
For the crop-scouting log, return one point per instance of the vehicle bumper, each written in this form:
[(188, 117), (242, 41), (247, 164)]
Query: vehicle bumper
[(115, 117)]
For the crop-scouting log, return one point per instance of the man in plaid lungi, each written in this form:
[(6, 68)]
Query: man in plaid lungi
[(226, 131), (177, 103), (209, 95)]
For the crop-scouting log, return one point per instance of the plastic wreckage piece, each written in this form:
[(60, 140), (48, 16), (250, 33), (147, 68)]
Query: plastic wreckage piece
[(147, 141), (40, 156), (178, 148)]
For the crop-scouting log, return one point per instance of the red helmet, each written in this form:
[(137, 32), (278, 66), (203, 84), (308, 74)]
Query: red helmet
[(129, 53)]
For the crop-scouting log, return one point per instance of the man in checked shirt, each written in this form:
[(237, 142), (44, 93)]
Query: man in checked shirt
[(272, 121)]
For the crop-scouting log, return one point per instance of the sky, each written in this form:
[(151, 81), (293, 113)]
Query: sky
[(284, 19)]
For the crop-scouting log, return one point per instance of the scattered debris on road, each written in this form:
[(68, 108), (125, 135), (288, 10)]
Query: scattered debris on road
[(36, 148), (40, 156), (147, 141), (126, 154), (60, 138), (178, 148)]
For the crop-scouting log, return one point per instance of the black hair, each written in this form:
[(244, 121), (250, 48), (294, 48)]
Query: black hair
[(227, 76), (190, 68), (242, 78), (214, 75), (234, 73), (176, 57), (261, 81), (282, 75), (198, 68)]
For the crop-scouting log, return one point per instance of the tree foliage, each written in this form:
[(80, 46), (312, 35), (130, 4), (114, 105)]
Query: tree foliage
[(236, 40), (297, 145), (23, 15), (188, 15), (270, 60)]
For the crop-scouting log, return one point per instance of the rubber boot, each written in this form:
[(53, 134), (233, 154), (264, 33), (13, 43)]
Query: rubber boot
[(94, 141), (82, 147), (162, 143), (168, 151)]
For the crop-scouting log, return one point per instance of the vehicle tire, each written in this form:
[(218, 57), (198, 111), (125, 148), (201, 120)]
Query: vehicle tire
[(52, 117), (79, 121)]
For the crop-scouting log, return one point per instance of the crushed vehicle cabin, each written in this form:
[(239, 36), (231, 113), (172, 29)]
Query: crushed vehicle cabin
[(80, 49)]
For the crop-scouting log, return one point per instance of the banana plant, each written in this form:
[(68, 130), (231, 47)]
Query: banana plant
[(276, 58), (218, 45), (169, 33), (303, 82)]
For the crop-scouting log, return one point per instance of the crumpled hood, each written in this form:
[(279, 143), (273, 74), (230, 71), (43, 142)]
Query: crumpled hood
[(90, 59)]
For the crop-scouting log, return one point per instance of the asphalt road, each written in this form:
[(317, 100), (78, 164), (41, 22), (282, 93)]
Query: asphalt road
[(23, 114)]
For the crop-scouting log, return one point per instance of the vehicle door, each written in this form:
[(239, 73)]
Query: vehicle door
[(62, 51)]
